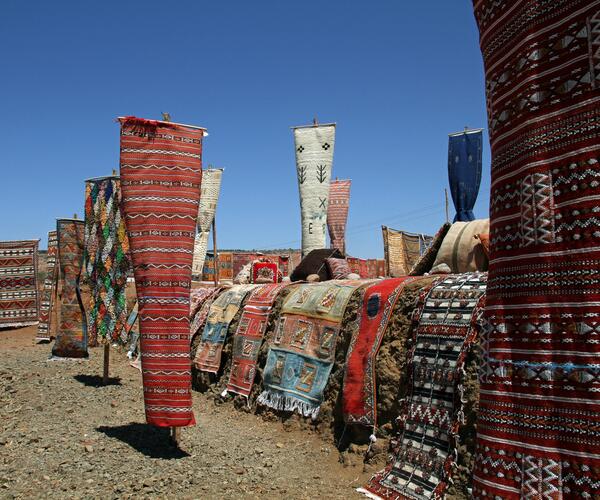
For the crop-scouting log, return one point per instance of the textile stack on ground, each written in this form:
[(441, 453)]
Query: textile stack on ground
[(106, 260), (445, 329), (540, 392), (302, 351), (49, 291), (314, 160), (209, 196), (71, 337), (161, 172), (18, 283), (337, 213), (402, 250)]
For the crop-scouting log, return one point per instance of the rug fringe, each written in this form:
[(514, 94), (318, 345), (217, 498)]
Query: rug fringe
[(368, 494), (18, 324), (287, 403)]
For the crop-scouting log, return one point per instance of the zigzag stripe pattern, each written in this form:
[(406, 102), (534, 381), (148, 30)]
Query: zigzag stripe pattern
[(160, 152), (49, 290)]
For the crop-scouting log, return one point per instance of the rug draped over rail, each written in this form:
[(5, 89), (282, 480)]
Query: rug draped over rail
[(539, 420), (445, 328), (161, 172), (337, 213), (106, 261), (18, 283), (301, 355), (249, 336), (71, 338), (402, 250), (201, 308), (49, 290)]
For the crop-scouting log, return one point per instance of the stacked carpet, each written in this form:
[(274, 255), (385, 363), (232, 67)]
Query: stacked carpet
[(18, 283), (303, 348), (314, 160), (49, 291), (445, 329), (71, 337), (161, 172), (539, 419), (337, 213), (106, 260), (209, 195)]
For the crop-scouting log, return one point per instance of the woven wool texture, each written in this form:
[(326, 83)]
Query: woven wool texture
[(314, 161), (337, 213), (402, 250), (106, 260), (18, 283), (445, 329), (199, 317), (71, 338), (539, 419), (209, 196), (161, 172), (49, 290)]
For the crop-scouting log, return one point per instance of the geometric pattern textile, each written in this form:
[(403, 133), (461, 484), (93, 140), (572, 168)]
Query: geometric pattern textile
[(106, 260), (49, 290), (209, 195), (539, 418), (265, 272), (314, 160), (249, 336), (71, 337), (197, 298), (443, 332), (464, 171), (402, 250), (201, 307), (337, 213), (161, 172), (18, 283), (301, 355), (221, 314), (359, 389)]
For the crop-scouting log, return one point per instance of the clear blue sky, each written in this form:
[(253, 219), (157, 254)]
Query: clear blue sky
[(396, 76)]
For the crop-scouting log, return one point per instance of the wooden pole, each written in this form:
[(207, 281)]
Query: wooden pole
[(106, 364), (447, 213), (216, 255), (175, 435)]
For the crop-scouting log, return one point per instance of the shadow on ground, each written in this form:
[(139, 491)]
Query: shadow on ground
[(96, 380), (154, 442)]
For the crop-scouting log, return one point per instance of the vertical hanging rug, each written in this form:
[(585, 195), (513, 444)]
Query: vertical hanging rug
[(161, 173), (49, 290)]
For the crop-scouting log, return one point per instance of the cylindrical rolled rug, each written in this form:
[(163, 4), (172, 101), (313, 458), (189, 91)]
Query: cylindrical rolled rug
[(538, 427), (161, 172), (209, 196), (106, 260), (314, 160), (71, 338), (337, 213)]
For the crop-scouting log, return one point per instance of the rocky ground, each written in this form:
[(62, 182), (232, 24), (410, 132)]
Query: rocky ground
[(63, 435)]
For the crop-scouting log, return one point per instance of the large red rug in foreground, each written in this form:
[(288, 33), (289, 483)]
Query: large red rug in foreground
[(161, 173), (539, 420)]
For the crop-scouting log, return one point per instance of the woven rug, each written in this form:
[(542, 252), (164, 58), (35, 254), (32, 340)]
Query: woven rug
[(49, 291), (18, 283), (71, 337), (197, 298), (445, 329), (359, 390), (222, 311), (314, 160), (161, 172), (249, 336), (337, 213), (539, 425), (209, 195), (402, 250), (199, 318), (106, 260), (301, 355)]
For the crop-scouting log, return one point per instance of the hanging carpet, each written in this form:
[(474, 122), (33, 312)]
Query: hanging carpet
[(337, 213), (49, 291)]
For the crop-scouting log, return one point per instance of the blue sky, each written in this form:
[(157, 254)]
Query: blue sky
[(396, 76)]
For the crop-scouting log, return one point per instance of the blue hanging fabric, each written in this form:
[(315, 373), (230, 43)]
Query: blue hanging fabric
[(464, 171)]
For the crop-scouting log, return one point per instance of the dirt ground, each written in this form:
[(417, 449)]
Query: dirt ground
[(63, 435)]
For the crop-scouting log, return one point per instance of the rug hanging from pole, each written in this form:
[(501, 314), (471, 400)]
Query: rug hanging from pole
[(106, 260), (314, 160), (538, 422), (209, 196), (18, 283), (49, 290), (464, 171), (71, 337), (337, 213), (161, 172)]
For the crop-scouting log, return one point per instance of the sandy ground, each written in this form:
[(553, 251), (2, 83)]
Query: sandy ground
[(63, 435)]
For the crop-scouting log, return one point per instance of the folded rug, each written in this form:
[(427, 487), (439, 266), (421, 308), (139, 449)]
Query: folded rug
[(445, 328), (249, 336), (71, 338), (49, 290), (302, 353), (222, 311), (18, 283)]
